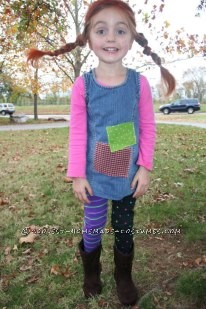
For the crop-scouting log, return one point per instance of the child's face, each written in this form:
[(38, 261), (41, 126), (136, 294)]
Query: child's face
[(110, 36)]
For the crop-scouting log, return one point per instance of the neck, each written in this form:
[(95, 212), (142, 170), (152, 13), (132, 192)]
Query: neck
[(110, 70), (110, 75)]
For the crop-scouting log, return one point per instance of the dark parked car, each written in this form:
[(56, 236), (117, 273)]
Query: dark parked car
[(182, 105)]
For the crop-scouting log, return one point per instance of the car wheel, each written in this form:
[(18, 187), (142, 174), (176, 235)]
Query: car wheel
[(3, 113), (190, 110), (166, 111)]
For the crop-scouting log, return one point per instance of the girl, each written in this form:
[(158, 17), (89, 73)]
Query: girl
[(112, 138)]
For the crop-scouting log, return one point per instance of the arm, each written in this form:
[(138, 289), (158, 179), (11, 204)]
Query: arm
[(77, 132), (147, 131), (147, 127), (78, 142)]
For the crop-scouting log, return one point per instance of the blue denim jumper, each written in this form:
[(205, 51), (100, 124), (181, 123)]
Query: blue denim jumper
[(110, 173)]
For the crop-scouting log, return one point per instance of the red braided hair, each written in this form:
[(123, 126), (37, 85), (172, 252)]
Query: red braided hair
[(33, 55)]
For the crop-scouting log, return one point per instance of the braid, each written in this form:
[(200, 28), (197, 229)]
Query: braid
[(34, 55), (167, 77)]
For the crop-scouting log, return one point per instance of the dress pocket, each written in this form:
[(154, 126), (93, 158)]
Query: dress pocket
[(114, 164)]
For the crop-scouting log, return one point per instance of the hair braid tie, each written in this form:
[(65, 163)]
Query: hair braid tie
[(80, 40), (156, 59), (147, 51), (141, 40)]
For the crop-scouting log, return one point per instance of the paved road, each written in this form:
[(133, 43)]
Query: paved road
[(19, 127)]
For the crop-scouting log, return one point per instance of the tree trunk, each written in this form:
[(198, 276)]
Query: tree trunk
[(35, 107), (36, 95)]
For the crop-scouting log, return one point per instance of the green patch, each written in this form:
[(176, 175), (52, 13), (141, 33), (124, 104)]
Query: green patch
[(121, 136)]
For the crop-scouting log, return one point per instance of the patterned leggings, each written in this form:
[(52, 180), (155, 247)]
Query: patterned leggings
[(95, 217)]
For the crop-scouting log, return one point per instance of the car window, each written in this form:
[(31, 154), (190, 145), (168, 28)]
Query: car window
[(176, 102), (192, 101)]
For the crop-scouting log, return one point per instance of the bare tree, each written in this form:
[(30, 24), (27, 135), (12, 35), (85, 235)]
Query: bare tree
[(195, 82)]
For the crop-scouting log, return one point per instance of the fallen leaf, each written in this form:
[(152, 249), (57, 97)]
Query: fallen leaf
[(9, 258), (198, 261), (42, 253), (27, 251), (76, 260), (201, 261), (164, 197), (70, 243), (67, 273), (32, 279), (12, 208), (159, 238), (189, 170), (31, 233), (25, 268), (68, 180), (80, 306), (28, 239), (179, 254), (55, 270), (178, 184), (30, 261), (15, 248), (7, 250), (4, 201), (102, 303)]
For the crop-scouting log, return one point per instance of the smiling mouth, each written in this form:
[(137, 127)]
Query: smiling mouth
[(111, 49)]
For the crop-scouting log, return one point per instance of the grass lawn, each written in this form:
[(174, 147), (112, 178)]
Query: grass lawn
[(64, 109), (182, 117), (199, 117), (40, 226), (44, 109)]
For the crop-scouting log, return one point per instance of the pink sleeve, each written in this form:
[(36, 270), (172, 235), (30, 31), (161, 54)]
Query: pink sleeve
[(78, 131), (147, 128)]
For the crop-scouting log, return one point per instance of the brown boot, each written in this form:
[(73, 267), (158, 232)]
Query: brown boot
[(92, 269), (126, 290)]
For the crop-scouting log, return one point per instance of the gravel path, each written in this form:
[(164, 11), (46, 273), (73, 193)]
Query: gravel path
[(52, 125)]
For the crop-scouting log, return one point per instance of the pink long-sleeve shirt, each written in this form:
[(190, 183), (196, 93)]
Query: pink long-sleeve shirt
[(78, 129)]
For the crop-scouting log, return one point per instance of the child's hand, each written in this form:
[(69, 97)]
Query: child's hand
[(141, 181), (81, 187)]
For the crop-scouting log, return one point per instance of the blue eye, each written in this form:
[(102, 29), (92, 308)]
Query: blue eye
[(101, 31), (121, 32)]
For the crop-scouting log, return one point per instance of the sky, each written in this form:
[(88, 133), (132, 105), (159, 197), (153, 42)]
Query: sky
[(180, 14)]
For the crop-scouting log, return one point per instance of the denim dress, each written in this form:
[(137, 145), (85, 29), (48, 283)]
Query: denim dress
[(112, 135)]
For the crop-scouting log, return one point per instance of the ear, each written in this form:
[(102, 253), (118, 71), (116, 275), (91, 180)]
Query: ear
[(90, 44), (131, 43)]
